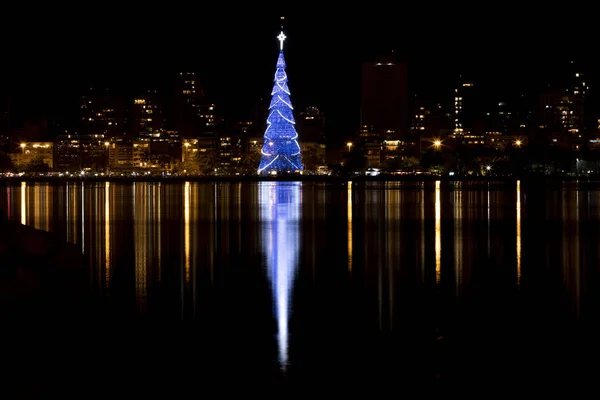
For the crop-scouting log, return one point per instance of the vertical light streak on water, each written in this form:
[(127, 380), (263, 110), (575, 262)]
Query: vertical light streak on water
[(158, 210), (489, 220), (438, 233), (215, 235), (35, 212), (24, 203), (82, 217), (577, 264), (107, 235), (458, 240), (46, 195), (422, 233), (68, 212), (518, 232), (239, 214), (8, 202), (350, 226), (280, 206), (186, 230), (140, 235)]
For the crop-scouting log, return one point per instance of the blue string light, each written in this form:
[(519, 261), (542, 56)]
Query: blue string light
[(280, 152)]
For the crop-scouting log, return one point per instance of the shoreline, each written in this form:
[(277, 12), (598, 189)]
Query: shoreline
[(538, 179)]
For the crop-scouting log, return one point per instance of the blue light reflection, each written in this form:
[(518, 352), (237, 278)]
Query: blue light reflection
[(280, 213)]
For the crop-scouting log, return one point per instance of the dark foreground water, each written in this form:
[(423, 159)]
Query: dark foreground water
[(268, 286)]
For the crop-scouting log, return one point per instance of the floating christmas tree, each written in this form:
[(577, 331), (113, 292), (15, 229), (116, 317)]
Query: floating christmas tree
[(280, 152)]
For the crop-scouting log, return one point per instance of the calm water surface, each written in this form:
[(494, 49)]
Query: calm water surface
[(380, 283)]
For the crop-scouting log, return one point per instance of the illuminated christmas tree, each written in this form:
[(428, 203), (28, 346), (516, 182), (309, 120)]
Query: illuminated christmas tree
[(280, 152)]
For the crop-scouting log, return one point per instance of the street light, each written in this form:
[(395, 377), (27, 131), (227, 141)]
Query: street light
[(187, 146), (518, 143), (349, 144), (437, 144), (23, 145)]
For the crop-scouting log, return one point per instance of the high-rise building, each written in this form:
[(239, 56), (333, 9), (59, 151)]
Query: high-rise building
[(210, 120), (561, 108), (120, 153), (464, 107), (147, 114), (67, 155), (80, 153), (183, 111), (500, 119), (560, 112), (384, 98), (578, 86), (311, 129), (102, 113), (432, 120), (418, 120), (140, 153), (311, 125)]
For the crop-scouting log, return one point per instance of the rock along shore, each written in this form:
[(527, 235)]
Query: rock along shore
[(41, 276)]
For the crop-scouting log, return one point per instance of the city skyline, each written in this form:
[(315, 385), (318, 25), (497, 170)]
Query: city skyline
[(325, 56)]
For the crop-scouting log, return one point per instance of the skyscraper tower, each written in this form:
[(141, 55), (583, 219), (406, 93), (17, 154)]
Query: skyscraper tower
[(463, 120), (561, 108), (577, 85), (280, 152), (384, 97)]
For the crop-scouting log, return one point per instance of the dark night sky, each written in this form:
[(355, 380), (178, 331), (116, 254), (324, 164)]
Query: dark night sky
[(51, 55)]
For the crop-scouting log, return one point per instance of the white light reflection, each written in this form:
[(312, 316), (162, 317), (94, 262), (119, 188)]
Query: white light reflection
[(518, 232), (280, 213), (24, 203), (350, 226), (438, 233)]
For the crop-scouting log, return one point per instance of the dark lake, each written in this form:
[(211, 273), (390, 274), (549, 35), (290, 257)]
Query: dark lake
[(289, 285)]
